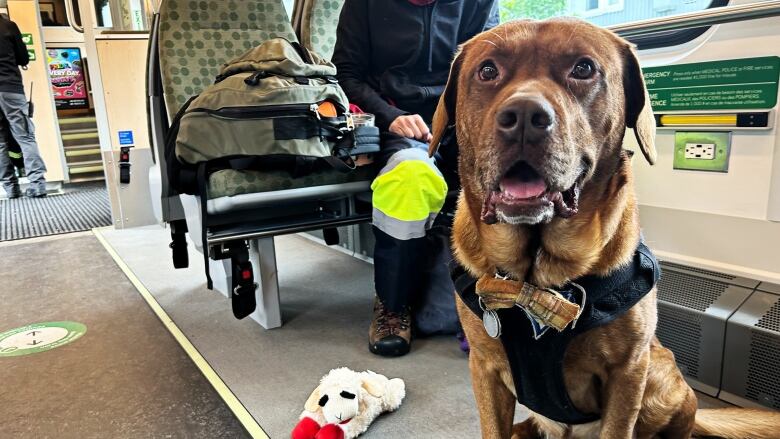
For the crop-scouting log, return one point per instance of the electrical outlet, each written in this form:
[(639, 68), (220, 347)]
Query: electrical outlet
[(700, 151)]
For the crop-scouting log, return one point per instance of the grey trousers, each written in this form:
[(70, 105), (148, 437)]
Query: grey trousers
[(13, 109)]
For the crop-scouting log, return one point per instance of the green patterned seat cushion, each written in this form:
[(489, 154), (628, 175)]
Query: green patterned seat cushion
[(229, 182), (318, 26), (197, 37)]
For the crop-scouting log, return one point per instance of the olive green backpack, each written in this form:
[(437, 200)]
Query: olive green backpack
[(262, 113)]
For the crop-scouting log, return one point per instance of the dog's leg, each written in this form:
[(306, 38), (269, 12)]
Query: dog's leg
[(682, 424), (495, 401), (625, 387), (490, 378)]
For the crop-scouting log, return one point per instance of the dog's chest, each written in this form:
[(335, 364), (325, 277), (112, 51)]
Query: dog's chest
[(537, 364)]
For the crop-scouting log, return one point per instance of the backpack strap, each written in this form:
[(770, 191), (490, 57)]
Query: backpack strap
[(344, 165), (204, 200), (173, 131)]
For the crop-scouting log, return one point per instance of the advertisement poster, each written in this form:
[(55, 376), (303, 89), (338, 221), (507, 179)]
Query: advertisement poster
[(67, 78)]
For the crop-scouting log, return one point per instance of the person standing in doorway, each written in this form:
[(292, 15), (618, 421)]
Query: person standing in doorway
[(393, 59), (14, 113)]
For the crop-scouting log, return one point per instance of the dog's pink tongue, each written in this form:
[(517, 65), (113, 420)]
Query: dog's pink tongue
[(519, 189)]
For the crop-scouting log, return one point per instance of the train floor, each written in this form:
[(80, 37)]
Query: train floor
[(87, 357), (150, 352)]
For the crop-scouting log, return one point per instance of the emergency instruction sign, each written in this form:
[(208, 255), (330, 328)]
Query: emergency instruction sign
[(749, 83)]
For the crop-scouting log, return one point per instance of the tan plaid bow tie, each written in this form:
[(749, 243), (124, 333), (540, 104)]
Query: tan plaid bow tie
[(546, 306)]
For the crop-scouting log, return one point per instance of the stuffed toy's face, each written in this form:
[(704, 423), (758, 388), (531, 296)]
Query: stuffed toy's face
[(339, 403), (342, 394)]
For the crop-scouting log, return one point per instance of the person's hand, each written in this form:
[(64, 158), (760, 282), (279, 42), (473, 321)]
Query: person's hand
[(412, 126)]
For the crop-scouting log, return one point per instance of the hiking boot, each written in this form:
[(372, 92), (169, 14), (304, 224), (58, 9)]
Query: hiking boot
[(13, 192), (32, 193), (390, 334)]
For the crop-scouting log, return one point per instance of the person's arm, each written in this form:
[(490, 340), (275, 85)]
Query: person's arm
[(485, 17), (351, 57), (493, 17), (20, 50)]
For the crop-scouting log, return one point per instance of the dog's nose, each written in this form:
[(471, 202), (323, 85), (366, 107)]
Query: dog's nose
[(525, 118)]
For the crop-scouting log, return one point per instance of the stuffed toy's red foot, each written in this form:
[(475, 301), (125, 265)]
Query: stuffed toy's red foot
[(330, 431), (308, 428)]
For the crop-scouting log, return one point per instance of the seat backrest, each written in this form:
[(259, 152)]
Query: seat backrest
[(318, 25), (197, 37)]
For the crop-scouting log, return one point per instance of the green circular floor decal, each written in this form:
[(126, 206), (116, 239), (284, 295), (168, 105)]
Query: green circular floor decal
[(39, 337)]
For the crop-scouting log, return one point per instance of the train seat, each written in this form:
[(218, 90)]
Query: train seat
[(194, 45), (246, 209), (318, 22)]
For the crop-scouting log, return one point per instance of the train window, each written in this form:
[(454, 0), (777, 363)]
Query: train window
[(54, 12), (124, 15), (612, 12)]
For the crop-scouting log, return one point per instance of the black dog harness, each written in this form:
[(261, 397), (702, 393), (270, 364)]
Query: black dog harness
[(536, 360)]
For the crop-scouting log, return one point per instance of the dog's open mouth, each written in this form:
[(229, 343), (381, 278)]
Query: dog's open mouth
[(522, 196)]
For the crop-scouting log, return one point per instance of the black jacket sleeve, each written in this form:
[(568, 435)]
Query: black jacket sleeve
[(485, 17), (493, 18), (351, 56), (20, 51)]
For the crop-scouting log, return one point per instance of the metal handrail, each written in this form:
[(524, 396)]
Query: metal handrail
[(706, 17), (71, 17)]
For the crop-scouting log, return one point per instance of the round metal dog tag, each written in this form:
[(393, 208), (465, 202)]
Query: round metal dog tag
[(492, 323)]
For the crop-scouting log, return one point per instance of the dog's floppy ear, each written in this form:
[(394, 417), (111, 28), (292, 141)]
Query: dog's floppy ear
[(639, 115), (372, 386), (313, 403), (445, 110)]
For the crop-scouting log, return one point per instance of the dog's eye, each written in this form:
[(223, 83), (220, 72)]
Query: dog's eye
[(488, 71), (584, 69), (323, 401), (347, 395)]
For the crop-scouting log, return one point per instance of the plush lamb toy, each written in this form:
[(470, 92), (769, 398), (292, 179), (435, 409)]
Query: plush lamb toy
[(346, 403)]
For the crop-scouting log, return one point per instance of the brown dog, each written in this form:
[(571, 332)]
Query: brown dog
[(540, 110)]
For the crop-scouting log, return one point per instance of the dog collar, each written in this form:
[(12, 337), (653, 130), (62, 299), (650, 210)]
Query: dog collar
[(544, 307)]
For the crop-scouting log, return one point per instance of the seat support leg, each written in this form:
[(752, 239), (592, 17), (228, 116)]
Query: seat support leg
[(222, 274), (262, 254)]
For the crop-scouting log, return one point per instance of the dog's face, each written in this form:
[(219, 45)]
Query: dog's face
[(540, 110)]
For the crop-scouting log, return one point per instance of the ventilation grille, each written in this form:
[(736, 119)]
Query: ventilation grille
[(680, 331), (699, 270), (763, 381), (771, 319), (689, 291)]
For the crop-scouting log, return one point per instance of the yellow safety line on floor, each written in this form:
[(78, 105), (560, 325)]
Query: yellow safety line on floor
[(243, 415)]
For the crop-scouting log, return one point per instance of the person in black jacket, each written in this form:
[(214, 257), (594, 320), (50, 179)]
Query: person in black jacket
[(14, 113), (393, 58)]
